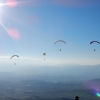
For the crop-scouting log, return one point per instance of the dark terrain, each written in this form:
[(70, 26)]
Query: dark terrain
[(51, 83), (42, 90)]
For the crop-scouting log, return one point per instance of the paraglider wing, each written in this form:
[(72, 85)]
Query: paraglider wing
[(44, 54), (14, 56), (60, 41), (94, 41)]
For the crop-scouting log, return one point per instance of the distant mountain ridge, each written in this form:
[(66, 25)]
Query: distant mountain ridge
[(60, 72)]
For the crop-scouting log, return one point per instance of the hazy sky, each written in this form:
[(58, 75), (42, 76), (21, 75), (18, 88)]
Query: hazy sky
[(30, 27)]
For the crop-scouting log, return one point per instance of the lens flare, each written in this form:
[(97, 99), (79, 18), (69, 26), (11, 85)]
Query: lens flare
[(11, 3), (13, 33), (98, 94)]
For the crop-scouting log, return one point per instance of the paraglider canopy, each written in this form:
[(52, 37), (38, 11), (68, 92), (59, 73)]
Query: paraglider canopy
[(60, 41), (14, 56), (44, 54), (94, 41)]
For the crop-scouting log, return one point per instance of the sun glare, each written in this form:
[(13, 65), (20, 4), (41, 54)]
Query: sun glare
[(10, 3)]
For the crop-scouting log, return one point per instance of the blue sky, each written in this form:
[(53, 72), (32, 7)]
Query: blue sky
[(30, 28)]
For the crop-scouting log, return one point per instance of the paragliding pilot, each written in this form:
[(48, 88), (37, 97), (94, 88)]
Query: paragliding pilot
[(76, 98)]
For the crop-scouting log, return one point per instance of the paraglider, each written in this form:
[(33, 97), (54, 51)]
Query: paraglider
[(93, 42), (60, 41), (44, 54), (14, 56)]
